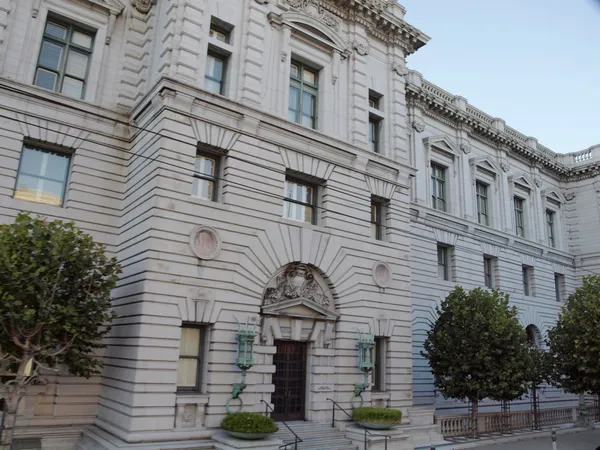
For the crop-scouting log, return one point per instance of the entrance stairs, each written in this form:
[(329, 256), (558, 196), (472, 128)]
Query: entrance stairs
[(315, 436)]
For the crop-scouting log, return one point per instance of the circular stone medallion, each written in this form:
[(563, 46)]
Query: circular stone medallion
[(382, 274), (205, 242)]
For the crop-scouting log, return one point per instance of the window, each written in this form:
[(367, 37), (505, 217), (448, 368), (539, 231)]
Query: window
[(488, 271), (373, 101), (377, 212), (64, 58), (527, 280), (205, 177), (189, 370), (214, 77), (299, 201), (374, 134), (220, 34), (519, 217), (303, 95), (443, 254), (482, 203), (42, 176), (550, 226), (559, 286), (438, 187), (379, 364)]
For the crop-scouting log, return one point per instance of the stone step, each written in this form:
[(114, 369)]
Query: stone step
[(317, 436)]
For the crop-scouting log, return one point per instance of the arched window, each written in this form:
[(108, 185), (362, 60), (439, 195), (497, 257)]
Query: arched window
[(534, 336)]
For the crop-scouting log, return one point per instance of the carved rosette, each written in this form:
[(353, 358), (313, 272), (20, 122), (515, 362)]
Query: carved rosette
[(298, 281), (143, 6), (205, 242)]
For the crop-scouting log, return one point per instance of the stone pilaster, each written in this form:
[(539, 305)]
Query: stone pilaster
[(251, 76), (359, 97), (399, 148)]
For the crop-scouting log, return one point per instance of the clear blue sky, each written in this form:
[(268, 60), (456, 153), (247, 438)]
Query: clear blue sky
[(533, 63)]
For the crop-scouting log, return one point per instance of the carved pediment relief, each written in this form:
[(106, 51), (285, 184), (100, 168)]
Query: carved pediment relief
[(298, 290), (114, 6)]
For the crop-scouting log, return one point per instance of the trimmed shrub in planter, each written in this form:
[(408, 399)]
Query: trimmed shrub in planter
[(246, 425), (377, 418)]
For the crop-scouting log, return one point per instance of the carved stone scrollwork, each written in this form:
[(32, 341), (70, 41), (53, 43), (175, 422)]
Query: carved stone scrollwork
[(314, 9), (504, 165), (418, 125), (143, 6), (362, 48), (297, 281), (538, 181), (400, 69), (569, 196), (262, 2), (465, 148)]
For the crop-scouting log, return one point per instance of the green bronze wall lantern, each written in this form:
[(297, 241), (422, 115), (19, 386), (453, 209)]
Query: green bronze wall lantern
[(244, 360), (366, 363)]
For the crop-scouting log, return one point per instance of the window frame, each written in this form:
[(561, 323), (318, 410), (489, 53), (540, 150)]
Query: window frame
[(215, 53), (436, 181), (315, 196), (488, 272), (66, 45), (559, 287), (214, 179), (201, 357), (527, 274), (379, 364), (303, 86), (50, 150), (380, 213), (550, 227), (482, 199), (444, 261), (519, 212), (374, 134)]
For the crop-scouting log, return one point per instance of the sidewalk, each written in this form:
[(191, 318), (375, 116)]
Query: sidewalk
[(585, 440)]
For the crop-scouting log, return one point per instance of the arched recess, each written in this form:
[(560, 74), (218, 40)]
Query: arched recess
[(534, 336), (298, 305)]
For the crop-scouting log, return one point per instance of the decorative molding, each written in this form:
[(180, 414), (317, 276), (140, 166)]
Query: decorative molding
[(418, 125), (528, 260), (489, 249), (298, 281), (316, 10), (400, 69), (382, 274), (380, 188), (213, 135), (465, 148), (504, 164), (569, 196), (143, 6), (362, 48), (537, 180), (36, 8), (445, 237), (262, 2), (306, 164), (205, 242)]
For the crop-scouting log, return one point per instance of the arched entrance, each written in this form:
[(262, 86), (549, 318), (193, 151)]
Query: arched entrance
[(298, 319), (534, 336)]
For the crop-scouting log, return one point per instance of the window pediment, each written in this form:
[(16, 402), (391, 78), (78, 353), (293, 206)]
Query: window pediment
[(553, 196), (115, 7), (441, 144), (522, 181)]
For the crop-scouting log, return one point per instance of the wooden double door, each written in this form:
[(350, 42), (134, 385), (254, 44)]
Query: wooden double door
[(289, 398)]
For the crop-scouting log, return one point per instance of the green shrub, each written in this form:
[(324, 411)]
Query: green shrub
[(377, 415), (246, 422)]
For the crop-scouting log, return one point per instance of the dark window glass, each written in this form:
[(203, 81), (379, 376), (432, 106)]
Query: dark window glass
[(438, 187), (443, 262), (550, 228), (519, 216), (302, 106), (482, 203)]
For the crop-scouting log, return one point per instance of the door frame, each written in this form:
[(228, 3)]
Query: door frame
[(306, 386)]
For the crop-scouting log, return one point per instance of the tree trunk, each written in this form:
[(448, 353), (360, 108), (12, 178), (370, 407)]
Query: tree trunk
[(536, 423), (9, 421), (475, 405)]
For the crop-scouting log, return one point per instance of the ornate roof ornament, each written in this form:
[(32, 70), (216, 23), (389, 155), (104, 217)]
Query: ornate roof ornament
[(143, 6), (418, 125)]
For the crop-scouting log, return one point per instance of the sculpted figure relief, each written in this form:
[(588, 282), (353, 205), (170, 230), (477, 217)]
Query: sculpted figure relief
[(298, 281)]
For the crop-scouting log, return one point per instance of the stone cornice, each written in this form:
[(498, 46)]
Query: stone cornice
[(377, 16), (455, 110)]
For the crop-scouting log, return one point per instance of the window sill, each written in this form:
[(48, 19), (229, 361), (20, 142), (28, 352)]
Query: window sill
[(198, 398), (380, 395), (298, 223)]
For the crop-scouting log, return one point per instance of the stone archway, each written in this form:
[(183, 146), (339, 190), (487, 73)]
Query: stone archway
[(534, 336), (298, 318)]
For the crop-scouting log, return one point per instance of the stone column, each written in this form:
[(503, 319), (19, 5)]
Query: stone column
[(398, 147), (251, 74)]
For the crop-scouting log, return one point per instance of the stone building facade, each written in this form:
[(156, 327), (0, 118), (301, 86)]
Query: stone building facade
[(265, 163)]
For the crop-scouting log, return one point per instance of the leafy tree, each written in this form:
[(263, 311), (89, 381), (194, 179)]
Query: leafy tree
[(575, 341), (476, 349), (55, 285)]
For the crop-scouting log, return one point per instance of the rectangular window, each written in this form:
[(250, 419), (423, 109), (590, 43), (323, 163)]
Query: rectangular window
[(374, 134), (377, 211), (214, 77), (373, 101), (299, 201), (205, 177), (438, 187), (519, 216), (550, 227), (191, 345), (559, 286), (488, 271), (303, 95), (527, 280), (482, 203), (64, 58), (443, 255), (42, 176), (220, 34), (379, 364)]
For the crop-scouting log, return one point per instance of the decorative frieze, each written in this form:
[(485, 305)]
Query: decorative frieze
[(143, 6)]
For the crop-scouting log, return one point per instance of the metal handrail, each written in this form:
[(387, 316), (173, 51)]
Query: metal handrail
[(296, 437), (357, 423)]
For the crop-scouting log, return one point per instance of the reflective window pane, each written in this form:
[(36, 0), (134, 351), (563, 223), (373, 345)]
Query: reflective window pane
[(212, 86), (77, 64), (294, 70), (205, 166), (81, 39), (46, 79), (50, 55), (190, 342), (203, 188), (42, 176), (187, 372), (218, 35), (72, 87), (309, 76), (56, 30), (214, 67)]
